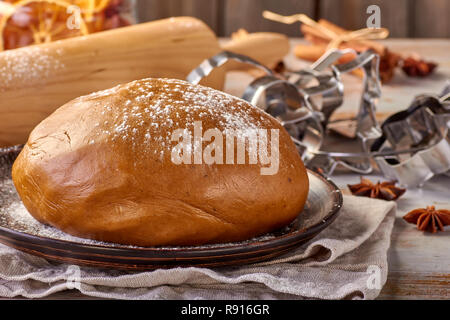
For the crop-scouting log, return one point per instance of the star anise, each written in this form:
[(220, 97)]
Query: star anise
[(429, 219), (388, 63), (417, 67), (380, 190)]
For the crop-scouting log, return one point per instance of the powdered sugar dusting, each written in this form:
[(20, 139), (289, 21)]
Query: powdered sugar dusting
[(20, 220), (28, 66), (151, 109)]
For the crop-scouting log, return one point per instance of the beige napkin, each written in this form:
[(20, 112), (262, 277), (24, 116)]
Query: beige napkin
[(347, 260)]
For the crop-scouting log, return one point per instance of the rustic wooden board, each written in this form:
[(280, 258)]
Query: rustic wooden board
[(430, 19), (248, 15), (419, 263), (206, 10), (404, 18)]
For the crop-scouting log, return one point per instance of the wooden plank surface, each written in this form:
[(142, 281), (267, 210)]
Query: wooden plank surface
[(404, 18), (248, 15), (431, 18), (419, 263), (206, 10)]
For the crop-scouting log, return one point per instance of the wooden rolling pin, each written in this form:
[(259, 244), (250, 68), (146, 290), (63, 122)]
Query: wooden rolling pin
[(36, 80), (265, 47)]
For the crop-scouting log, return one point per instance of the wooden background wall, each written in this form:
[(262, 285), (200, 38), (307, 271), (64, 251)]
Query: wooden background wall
[(404, 18)]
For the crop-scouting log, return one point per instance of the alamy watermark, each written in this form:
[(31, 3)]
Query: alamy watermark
[(231, 146), (73, 280), (374, 279), (374, 20), (74, 20)]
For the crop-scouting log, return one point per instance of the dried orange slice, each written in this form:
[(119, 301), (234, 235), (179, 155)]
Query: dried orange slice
[(39, 21), (90, 7), (101, 15)]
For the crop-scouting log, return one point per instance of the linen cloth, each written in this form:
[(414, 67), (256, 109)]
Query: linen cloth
[(348, 260)]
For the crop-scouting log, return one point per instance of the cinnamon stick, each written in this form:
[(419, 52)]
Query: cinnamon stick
[(315, 36), (309, 52), (376, 46)]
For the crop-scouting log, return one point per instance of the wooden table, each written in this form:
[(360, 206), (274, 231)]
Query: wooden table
[(419, 263)]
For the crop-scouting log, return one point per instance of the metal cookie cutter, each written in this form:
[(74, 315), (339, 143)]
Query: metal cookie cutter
[(208, 65), (419, 138), (278, 97), (292, 99), (293, 108), (367, 127)]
